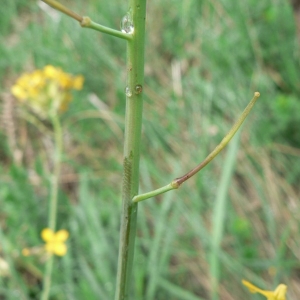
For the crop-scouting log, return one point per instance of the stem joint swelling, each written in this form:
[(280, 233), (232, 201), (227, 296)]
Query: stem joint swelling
[(176, 183), (86, 21)]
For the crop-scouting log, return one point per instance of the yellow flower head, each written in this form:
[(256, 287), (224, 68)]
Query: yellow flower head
[(26, 252), (278, 294), (46, 90), (55, 241)]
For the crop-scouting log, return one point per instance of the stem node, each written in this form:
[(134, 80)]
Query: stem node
[(86, 21)]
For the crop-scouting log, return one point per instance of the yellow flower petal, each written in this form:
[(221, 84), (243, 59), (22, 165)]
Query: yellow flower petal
[(60, 249), (51, 72), (78, 82), (25, 252), (252, 288), (24, 80), (61, 235), (47, 234), (50, 247), (278, 294), (65, 80), (19, 92)]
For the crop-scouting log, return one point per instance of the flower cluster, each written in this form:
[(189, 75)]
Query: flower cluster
[(46, 91), (278, 294)]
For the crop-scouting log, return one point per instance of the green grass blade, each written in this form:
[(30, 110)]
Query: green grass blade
[(219, 214), (177, 291)]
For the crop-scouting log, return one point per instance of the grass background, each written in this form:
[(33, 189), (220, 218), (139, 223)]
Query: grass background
[(239, 218)]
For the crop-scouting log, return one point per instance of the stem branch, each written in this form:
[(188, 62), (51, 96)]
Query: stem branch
[(86, 21), (58, 6), (175, 184)]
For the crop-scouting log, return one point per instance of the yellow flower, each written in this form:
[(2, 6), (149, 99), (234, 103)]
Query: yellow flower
[(46, 91), (65, 81), (26, 252), (19, 92), (278, 294), (55, 242), (78, 82), (50, 72)]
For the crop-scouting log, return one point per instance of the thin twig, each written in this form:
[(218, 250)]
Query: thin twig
[(87, 22), (58, 6), (222, 145), (175, 184)]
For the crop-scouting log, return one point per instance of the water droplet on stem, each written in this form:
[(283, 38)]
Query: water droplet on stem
[(127, 23), (128, 92)]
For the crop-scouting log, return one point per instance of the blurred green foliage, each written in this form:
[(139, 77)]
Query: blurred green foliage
[(204, 60)]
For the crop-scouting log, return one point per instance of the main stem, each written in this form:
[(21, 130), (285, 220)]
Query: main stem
[(53, 199), (133, 126)]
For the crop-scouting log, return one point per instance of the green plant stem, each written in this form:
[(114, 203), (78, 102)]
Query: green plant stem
[(58, 6), (154, 193), (175, 184), (58, 141), (133, 126), (47, 279), (86, 21)]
